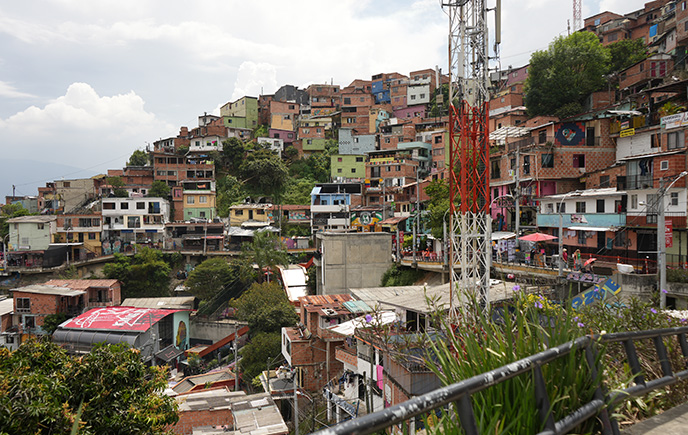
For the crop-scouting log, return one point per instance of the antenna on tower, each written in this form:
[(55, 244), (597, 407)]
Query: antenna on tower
[(577, 23)]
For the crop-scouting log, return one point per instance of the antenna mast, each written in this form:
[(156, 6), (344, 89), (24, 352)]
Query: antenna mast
[(470, 250), (577, 21)]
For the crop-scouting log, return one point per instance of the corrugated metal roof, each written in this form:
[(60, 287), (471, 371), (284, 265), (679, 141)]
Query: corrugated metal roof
[(49, 290), (174, 303), (357, 307), (6, 306), (82, 284)]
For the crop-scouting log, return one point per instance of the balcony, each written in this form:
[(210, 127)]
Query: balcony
[(678, 220), (334, 208), (635, 182), (597, 220), (634, 122)]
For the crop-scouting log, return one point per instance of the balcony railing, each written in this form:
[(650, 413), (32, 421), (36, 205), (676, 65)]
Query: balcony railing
[(583, 349)]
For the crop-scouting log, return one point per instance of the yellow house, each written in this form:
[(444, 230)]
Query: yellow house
[(250, 215)]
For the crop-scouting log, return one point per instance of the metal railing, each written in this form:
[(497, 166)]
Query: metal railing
[(461, 392)]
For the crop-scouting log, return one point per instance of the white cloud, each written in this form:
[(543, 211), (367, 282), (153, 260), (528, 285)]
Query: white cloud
[(252, 78), (9, 91), (81, 128)]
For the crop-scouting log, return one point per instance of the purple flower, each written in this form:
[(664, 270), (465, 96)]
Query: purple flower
[(576, 318), (684, 320), (516, 288), (653, 311), (538, 305), (581, 325), (368, 318), (664, 291)]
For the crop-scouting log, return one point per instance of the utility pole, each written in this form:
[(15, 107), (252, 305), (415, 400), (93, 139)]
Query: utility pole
[(236, 363), (517, 195), (296, 400), (661, 245)]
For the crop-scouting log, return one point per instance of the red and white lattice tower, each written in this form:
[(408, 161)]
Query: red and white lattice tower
[(577, 21), (470, 249)]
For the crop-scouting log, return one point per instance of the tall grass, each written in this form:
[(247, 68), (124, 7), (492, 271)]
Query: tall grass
[(477, 342)]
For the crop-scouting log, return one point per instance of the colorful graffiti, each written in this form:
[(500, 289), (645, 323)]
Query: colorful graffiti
[(570, 134)]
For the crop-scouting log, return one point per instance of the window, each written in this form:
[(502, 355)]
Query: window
[(422, 95), (202, 199), (549, 208), (604, 181), (580, 206), (134, 222), (124, 206), (597, 22), (353, 170), (413, 97), (23, 305), (190, 200), (347, 100), (108, 206), (655, 140), (40, 226), (674, 198), (359, 159), (513, 163), (579, 160), (438, 139), (634, 201), (620, 239), (140, 206), (526, 165), (664, 165), (339, 159), (600, 206), (581, 237), (339, 170), (675, 140), (91, 236), (548, 160), (612, 37)]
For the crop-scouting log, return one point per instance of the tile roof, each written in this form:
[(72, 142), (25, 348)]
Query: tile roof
[(82, 284)]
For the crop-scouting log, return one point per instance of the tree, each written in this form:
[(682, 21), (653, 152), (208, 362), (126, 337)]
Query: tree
[(144, 275), (52, 321), (264, 173), (159, 189), (10, 211), (109, 390), (230, 191), (209, 277), (138, 158), (625, 53), (266, 251), (298, 191), (233, 151), (117, 187), (437, 206), (561, 77), (262, 348), (265, 307)]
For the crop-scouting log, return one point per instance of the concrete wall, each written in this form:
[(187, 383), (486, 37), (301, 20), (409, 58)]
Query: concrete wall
[(206, 331), (352, 260), (638, 286)]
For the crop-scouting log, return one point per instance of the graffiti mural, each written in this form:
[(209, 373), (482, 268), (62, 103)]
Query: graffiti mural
[(570, 134)]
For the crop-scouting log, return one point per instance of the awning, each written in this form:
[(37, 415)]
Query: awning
[(393, 220), (169, 353), (214, 237), (577, 228), (502, 235)]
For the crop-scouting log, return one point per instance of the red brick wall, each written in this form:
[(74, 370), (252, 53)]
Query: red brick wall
[(190, 419), (41, 305)]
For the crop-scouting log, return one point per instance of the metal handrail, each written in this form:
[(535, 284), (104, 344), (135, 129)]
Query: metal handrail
[(462, 391)]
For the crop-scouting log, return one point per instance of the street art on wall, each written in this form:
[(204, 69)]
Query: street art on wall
[(570, 134)]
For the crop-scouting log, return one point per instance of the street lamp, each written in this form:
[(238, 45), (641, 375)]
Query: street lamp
[(661, 238), (561, 228)]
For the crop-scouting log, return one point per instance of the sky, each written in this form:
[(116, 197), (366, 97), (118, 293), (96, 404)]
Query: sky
[(85, 83)]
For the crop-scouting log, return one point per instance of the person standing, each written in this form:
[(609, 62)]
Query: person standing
[(565, 258), (577, 261)]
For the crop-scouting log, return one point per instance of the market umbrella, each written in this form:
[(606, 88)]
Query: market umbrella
[(537, 237), (589, 261)]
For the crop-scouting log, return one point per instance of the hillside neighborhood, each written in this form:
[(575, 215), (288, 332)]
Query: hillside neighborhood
[(278, 258)]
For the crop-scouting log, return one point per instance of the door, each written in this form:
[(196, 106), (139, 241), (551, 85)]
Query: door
[(590, 136), (250, 215), (601, 240)]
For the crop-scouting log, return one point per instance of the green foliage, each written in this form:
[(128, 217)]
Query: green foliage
[(230, 191), (182, 150), (261, 131), (70, 272), (138, 158), (10, 211), (266, 251), (625, 53), (262, 348), (264, 173), (52, 321), (437, 206), (677, 275), (144, 275), (233, 152), (159, 189), (211, 276), (42, 390), (565, 74), (298, 191), (315, 167), (442, 109), (400, 276), (266, 308), (117, 187)]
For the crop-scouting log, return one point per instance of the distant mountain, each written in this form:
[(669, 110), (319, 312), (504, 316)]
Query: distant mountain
[(29, 175)]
